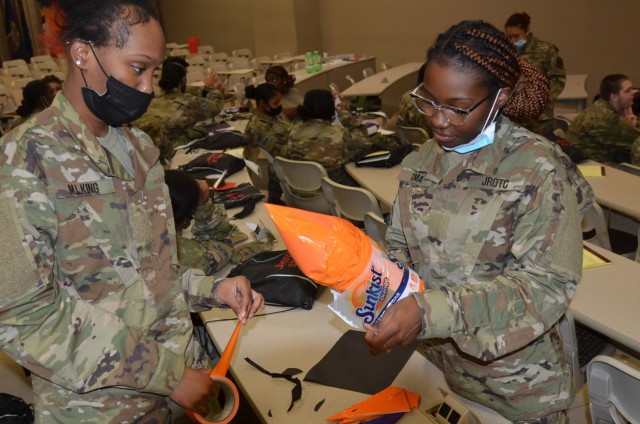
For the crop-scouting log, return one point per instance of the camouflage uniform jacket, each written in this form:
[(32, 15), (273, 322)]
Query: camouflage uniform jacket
[(495, 234), (544, 56), (603, 134), (270, 133), (329, 145), (92, 300), (171, 117), (408, 115), (213, 244)]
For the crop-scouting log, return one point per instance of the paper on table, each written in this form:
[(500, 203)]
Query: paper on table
[(591, 259), (592, 170)]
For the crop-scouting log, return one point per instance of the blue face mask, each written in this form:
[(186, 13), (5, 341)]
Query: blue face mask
[(484, 138), (520, 43)]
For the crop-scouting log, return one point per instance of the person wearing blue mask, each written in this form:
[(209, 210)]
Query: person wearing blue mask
[(544, 56), (488, 214), (92, 299)]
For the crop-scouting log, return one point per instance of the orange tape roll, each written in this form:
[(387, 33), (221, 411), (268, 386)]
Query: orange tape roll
[(227, 390)]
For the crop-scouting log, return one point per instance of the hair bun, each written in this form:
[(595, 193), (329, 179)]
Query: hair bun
[(530, 96)]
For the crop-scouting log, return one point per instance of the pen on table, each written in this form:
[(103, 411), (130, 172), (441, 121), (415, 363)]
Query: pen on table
[(217, 183)]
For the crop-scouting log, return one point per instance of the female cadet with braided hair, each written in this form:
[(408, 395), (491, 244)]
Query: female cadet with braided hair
[(92, 300), (488, 213)]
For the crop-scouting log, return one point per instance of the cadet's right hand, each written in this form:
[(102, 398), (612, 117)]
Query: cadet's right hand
[(194, 390)]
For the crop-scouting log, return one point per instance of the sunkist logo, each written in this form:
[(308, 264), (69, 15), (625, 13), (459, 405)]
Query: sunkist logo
[(376, 292)]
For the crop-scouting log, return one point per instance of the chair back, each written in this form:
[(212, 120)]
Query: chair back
[(411, 135), (219, 57), (368, 71), (246, 53), (349, 202), (627, 167), (194, 76), (570, 347), (41, 58), (594, 221), (19, 72), (238, 63), (613, 391), (238, 91), (375, 227), (13, 63), (207, 49), (282, 55), (638, 249), (180, 52), (301, 183), (351, 80), (385, 66), (196, 61)]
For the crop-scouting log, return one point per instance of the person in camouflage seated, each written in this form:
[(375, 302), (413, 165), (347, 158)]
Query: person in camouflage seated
[(313, 138), (268, 129), (488, 214), (606, 130), (408, 115), (92, 300), (171, 117), (213, 241), (544, 56)]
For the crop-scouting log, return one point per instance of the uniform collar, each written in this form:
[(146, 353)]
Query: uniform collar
[(145, 155)]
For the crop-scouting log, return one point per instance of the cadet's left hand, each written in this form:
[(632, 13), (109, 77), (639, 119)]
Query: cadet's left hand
[(400, 324), (237, 294)]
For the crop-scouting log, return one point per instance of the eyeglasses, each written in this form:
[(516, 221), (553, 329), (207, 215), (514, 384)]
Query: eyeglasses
[(453, 115)]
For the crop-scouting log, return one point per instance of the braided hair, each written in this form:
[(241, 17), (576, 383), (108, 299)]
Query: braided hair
[(480, 47)]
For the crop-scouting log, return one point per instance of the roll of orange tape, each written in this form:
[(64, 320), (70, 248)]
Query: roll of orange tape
[(226, 387)]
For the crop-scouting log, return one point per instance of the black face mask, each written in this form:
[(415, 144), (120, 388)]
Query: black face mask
[(120, 104), (274, 111)]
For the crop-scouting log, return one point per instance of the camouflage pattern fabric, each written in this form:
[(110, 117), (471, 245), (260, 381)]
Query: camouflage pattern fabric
[(483, 230), (92, 301), (172, 115), (213, 244), (603, 134), (544, 56), (272, 134), (409, 116), (331, 146)]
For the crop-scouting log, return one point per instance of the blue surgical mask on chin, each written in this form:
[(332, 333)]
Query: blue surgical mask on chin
[(520, 43), (484, 138)]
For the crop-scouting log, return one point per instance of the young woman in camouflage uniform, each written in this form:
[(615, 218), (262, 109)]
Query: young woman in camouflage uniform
[(268, 129), (171, 117), (544, 56), (489, 215), (92, 300), (314, 138)]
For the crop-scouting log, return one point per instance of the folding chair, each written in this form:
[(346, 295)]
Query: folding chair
[(301, 183), (411, 135), (246, 53), (347, 202), (613, 391), (351, 80), (375, 227), (367, 72), (594, 227)]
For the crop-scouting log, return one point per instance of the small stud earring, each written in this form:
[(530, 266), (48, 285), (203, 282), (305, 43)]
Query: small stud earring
[(77, 62)]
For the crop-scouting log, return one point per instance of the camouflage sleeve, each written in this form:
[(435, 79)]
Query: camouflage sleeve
[(488, 319), (556, 73), (212, 100), (355, 135), (396, 241), (635, 152), (53, 333), (623, 133)]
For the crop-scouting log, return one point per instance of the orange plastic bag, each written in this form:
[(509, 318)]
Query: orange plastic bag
[(364, 278)]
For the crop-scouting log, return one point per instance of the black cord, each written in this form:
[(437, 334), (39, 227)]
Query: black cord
[(256, 315)]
